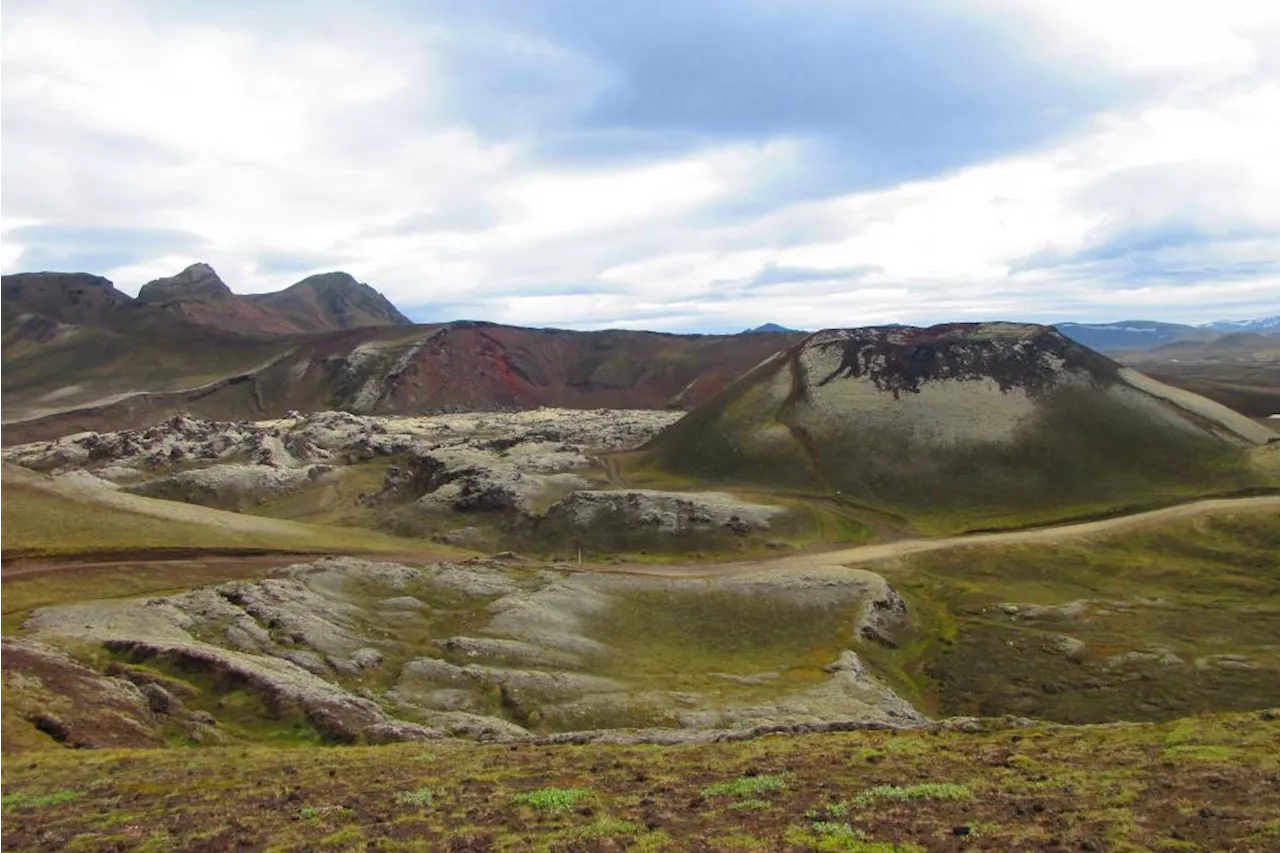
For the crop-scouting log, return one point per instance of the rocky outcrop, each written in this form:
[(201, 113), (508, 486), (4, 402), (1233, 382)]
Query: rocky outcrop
[(336, 714), (73, 704), (349, 647), (637, 518)]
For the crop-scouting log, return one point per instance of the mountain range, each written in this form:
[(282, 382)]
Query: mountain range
[(319, 303), (1149, 334), (79, 354)]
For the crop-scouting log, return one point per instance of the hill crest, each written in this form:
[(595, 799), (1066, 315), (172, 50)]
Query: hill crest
[(978, 421)]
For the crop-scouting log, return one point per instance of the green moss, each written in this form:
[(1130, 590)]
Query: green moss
[(552, 799), (18, 800), (672, 639), (1190, 591), (1084, 452), (747, 786), (922, 791), (215, 797)]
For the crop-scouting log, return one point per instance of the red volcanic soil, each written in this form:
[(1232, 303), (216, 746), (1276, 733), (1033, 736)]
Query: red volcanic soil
[(481, 366)]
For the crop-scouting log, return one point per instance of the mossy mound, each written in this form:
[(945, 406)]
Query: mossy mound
[(958, 426)]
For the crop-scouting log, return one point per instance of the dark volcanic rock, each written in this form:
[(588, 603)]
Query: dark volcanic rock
[(903, 358)]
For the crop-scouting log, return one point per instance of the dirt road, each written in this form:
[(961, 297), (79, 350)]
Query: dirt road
[(245, 564), (904, 547)]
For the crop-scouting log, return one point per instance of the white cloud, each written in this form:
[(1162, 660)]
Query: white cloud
[(328, 136)]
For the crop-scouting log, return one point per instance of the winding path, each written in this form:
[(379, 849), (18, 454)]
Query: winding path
[(837, 557), (904, 547)]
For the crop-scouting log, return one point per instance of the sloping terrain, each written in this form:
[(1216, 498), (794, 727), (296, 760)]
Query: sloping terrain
[(60, 380), (485, 649), (960, 425), (70, 515), (74, 298), (319, 303)]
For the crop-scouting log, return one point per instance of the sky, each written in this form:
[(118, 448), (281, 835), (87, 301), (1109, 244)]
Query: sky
[(666, 164)]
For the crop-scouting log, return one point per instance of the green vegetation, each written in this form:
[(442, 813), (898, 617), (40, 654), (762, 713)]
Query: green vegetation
[(923, 791), (747, 786), (1130, 626), (750, 805), (18, 800), (1030, 788), (691, 639), (420, 797), (552, 799), (317, 812), (40, 519), (1267, 829)]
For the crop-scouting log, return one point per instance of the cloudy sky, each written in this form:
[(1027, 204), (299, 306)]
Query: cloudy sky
[(681, 165)]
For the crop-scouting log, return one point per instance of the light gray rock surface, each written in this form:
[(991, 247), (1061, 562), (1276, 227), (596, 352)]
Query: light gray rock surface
[(483, 648)]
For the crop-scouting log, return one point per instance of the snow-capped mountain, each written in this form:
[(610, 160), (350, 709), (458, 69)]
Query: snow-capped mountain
[(1130, 334), (1262, 325)]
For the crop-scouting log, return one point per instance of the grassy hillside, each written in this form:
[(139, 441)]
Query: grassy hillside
[(1200, 784), (42, 517), (956, 452), (1143, 625)]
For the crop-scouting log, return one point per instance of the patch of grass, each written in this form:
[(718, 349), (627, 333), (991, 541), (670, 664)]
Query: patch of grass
[(43, 518), (750, 805), (837, 830), (747, 786), (552, 799), (672, 639), (604, 827), (1267, 829), (316, 812), (420, 797), (843, 838), (922, 791), (18, 800)]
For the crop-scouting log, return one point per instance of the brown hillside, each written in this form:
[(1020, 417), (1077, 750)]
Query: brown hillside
[(331, 301)]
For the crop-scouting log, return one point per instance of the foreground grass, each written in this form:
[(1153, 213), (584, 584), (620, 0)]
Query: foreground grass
[(1195, 784)]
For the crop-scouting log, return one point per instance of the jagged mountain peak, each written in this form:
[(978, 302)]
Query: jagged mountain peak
[(333, 300), (198, 281)]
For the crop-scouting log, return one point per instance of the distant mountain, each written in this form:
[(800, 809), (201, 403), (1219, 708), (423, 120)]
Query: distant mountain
[(1149, 334), (766, 329), (74, 298), (1264, 325), (333, 300), (1131, 334), (197, 281), (197, 295)]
